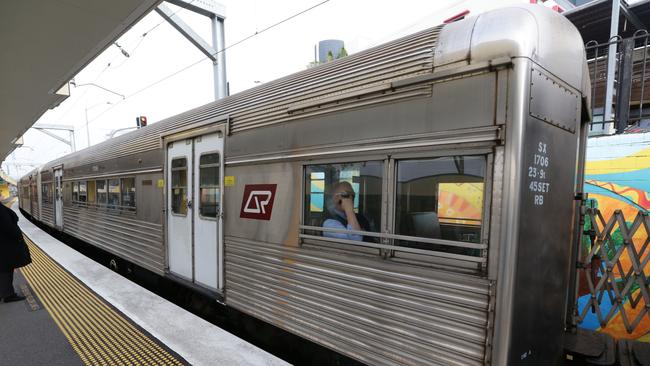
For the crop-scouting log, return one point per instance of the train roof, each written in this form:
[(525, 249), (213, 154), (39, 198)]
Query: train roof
[(369, 76)]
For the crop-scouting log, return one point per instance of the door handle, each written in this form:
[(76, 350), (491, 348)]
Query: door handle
[(189, 204)]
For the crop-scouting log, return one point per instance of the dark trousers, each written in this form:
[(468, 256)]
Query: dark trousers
[(7, 284)]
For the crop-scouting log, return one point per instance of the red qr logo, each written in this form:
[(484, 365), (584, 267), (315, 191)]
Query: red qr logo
[(257, 202)]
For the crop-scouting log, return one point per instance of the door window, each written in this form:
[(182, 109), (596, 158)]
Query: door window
[(179, 186), (209, 185)]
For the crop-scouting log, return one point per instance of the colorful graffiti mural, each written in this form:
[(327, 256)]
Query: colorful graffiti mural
[(618, 179)]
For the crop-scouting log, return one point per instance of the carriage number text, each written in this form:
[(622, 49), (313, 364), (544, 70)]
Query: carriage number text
[(538, 174), (541, 160)]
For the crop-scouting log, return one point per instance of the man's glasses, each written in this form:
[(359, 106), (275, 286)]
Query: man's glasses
[(345, 194)]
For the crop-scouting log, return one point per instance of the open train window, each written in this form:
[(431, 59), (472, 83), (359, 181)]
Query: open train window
[(334, 191), (128, 192), (102, 192), (113, 193), (209, 185), (83, 192), (440, 198), (179, 186)]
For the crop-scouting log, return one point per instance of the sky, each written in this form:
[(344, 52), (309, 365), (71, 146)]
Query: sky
[(165, 74)]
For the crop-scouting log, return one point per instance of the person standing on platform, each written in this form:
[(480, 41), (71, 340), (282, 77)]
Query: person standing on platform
[(13, 253)]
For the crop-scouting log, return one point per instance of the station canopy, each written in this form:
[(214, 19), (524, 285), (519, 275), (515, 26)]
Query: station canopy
[(4, 178), (594, 18), (46, 43)]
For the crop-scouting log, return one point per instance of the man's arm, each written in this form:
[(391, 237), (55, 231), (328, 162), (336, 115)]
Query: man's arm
[(333, 224)]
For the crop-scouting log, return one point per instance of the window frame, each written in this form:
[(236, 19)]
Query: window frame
[(389, 203), (97, 200), (360, 158), (110, 206), (85, 183), (171, 182), (487, 193), (219, 184), (74, 186), (135, 193), (46, 197)]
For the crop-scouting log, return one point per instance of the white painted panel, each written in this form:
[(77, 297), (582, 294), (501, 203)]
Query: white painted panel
[(206, 221), (58, 197), (179, 226)]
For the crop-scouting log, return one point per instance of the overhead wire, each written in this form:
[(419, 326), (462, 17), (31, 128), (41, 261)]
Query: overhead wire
[(143, 35), (204, 58), (112, 61)]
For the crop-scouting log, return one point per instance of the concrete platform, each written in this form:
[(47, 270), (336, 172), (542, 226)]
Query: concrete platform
[(192, 338), (28, 331)]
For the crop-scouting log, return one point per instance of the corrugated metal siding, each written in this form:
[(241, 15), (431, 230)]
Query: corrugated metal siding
[(377, 311), (35, 209), (270, 103), (47, 213), (24, 204), (140, 242)]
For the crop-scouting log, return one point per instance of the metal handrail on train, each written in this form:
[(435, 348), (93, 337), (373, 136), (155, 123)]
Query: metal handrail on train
[(433, 253), (104, 205)]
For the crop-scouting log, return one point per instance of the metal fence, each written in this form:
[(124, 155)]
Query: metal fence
[(613, 270), (620, 87)]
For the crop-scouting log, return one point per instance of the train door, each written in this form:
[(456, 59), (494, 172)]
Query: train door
[(194, 209), (29, 196), (33, 195), (58, 198)]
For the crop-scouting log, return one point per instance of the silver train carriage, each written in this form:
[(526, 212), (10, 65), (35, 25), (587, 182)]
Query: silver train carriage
[(462, 145)]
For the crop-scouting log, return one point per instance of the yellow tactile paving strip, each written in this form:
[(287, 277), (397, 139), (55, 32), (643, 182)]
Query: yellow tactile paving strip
[(97, 332)]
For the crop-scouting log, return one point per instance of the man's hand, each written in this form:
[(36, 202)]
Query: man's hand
[(348, 205)]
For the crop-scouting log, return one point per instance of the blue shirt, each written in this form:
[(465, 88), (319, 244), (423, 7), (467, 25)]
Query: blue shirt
[(335, 224)]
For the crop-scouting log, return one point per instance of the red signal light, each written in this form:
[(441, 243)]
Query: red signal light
[(141, 121)]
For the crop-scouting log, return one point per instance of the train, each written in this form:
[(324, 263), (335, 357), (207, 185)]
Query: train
[(459, 150)]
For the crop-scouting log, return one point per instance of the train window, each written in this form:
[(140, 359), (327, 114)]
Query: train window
[(179, 186), (83, 192), (128, 192), (329, 186), (92, 190), (113, 193), (75, 191), (440, 198), (209, 185), (46, 192), (67, 191), (102, 193)]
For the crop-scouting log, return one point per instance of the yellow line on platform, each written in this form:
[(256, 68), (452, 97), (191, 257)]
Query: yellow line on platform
[(98, 333)]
